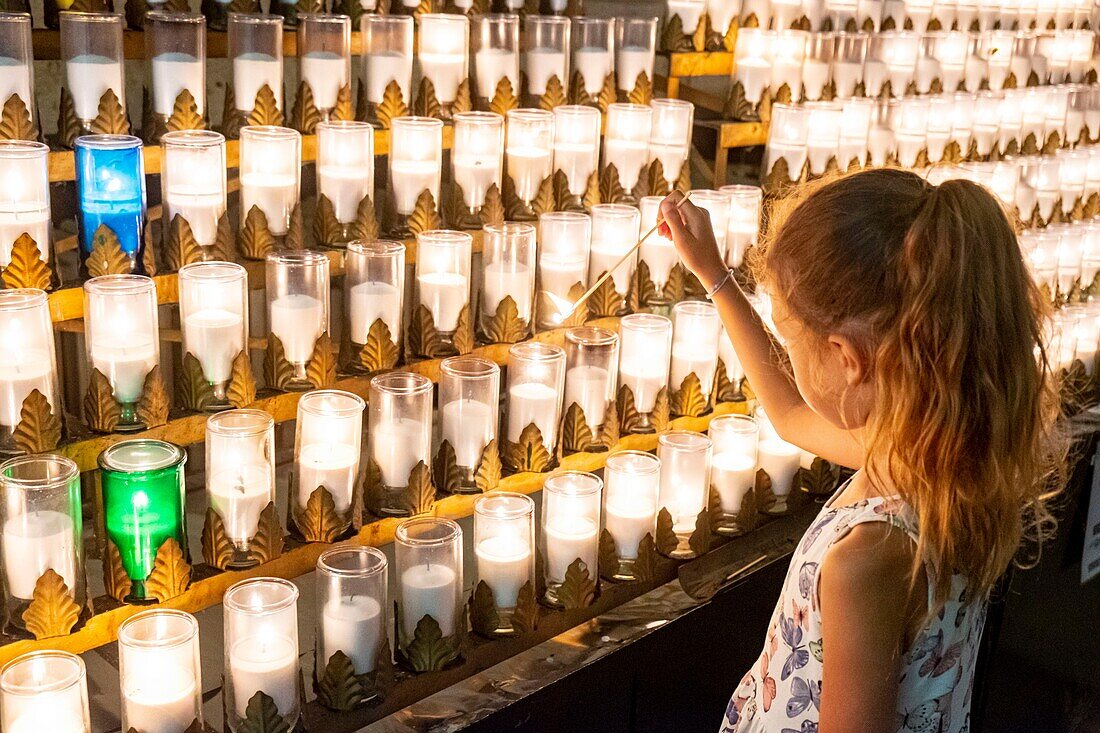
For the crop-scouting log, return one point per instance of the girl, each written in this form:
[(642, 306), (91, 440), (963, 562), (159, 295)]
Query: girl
[(912, 328)]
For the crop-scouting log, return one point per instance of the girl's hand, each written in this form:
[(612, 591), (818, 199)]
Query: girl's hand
[(689, 228)]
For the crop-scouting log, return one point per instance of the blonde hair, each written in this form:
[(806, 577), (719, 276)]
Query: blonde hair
[(930, 284)]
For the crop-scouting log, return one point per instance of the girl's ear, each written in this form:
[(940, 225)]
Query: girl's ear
[(851, 359)]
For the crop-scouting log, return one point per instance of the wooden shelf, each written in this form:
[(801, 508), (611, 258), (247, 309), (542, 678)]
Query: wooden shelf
[(700, 63), (47, 44)]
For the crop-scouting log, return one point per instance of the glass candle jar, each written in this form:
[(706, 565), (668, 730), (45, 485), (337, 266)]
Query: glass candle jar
[(42, 528), (324, 57), (504, 543), (788, 138), (695, 334), (159, 672), (240, 475), (733, 466), (593, 42), (374, 287), (345, 166), (685, 482), (717, 204), (175, 47), (688, 11), (120, 330), (626, 140), (469, 398), (614, 232), (847, 63), (918, 13), (899, 52), (24, 190), (536, 380), (261, 648), (495, 42), (592, 360), (478, 155), (855, 129), (27, 360), (564, 241), (91, 47), (443, 275), (530, 149), (743, 227), (721, 15), (214, 318), (670, 134), (869, 12), (577, 144), (635, 50), (400, 433), (110, 184), (297, 305), (327, 444), (428, 552), (443, 53), (817, 65), (351, 607), (657, 251), (752, 66), (143, 504), (630, 505), (270, 174), (644, 364), (546, 52), (18, 61), (44, 690), (387, 55), (908, 119), (571, 503), (788, 53), (192, 178), (256, 50), (416, 160), (822, 135), (508, 257)]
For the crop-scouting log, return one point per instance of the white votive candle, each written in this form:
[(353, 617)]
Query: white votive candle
[(250, 72), (89, 76), (780, 460), (504, 563), (468, 425), (371, 301), (353, 625), (733, 474), (428, 590), (239, 494), (125, 360), (298, 320), (34, 543), (215, 337), (532, 402), (569, 538), (332, 465), (264, 663), (397, 449)]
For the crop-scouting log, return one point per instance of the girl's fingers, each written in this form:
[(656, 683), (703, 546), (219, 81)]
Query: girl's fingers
[(674, 224)]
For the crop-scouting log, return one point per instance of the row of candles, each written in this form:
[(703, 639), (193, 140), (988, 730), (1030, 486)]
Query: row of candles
[(859, 64)]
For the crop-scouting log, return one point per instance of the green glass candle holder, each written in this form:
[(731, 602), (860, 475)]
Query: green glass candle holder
[(143, 505)]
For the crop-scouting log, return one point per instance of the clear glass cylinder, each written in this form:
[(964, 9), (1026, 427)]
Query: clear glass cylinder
[(536, 382), (847, 65), (614, 232), (571, 502), (644, 364), (670, 134), (374, 287), (256, 51), (733, 466), (193, 180), (908, 119), (855, 130), (938, 131), (42, 528), (351, 607), (159, 672), (688, 11), (345, 165), (577, 144), (122, 336), (817, 66), (327, 443), (565, 238), (143, 504), (900, 50), (240, 474), (27, 357), (387, 54), (593, 45), (995, 47), (635, 50), (822, 135), (695, 333), (626, 140), (469, 399), (110, 184), (91, 48), (416, 160), (428, 552), (752, 65), (443, 52), (743, 228), (478, 155), (175, 47), (324, 57), (722, 14), (530, 149), (443, 275), (919, 12), (875, 71), (400, 432), (630, 505), (657, 251), (788, 137), (17, 58), (297, 304), (44, 690), (592, 360), (685, 482), (871, 10), (214, 318), (25, 197), (788, 52), (504, 544), (508, 258), (261, 648), (717, 204), (545, 52), (494, 39), (270, 173)]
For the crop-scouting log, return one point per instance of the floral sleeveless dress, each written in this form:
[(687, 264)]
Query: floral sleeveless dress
[(782, 691)]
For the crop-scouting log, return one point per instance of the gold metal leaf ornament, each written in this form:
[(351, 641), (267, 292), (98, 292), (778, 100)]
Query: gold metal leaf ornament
[(101, 412), (578, 590), (217, 548), (429, 650), (39, 428), (420, 493), (339, 687), (463, 337), (492, 210), (52, 610), (68, 124), (380, 351), (319, 522), (265, 110), (304, 116), (242, 385), (445, 471), (321, 369), (15, 120), (181, 248), (256, 240), (642, 93), (171, 572), (193, 392), (489, 469), (575, 433), (154, 404), (425, 216), (267, 544), (392, 105), (107, 256), (464, 101), (26, 269), (111, 118), (506, 327), (611, 190), (185, 113), (343, 111), (529, 453), (426, 104), (554, 94), (116, 582), (504, 98), (689, 401), (326, 229), (278, 372), (262, 716), (484, 619)]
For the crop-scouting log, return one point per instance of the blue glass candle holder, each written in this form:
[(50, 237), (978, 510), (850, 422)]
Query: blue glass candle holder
[(110, 181)]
